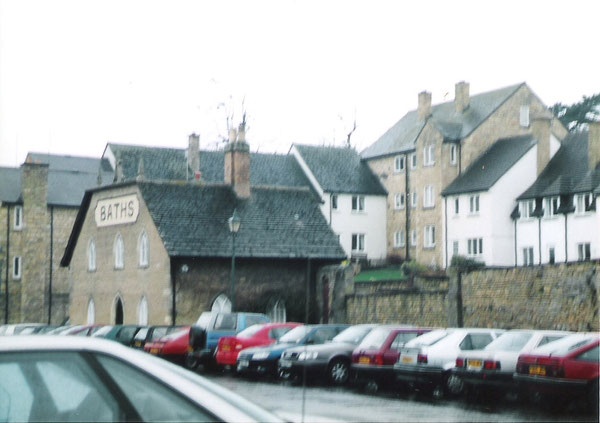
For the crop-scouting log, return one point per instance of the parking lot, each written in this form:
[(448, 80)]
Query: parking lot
[(318, 402)]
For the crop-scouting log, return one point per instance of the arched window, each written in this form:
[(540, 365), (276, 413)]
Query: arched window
[(143, 312), (91, 312), (143, 250), (92, 255), (222, 304), (276, 311), (119, 313), (119, 250)]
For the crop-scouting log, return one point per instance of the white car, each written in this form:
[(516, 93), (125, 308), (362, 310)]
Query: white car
[(426, 361), (55, 378), (18, 328), (494, 366)]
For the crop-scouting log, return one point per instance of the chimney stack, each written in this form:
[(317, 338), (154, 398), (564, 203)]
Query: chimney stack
[(540, 128), (193, 154), (424, 109), (237, 163), (593, 145), (461, 96)]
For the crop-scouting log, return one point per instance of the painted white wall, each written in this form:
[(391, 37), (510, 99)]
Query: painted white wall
[(493, 222), (583, 228), (554, 145), (344, 222)]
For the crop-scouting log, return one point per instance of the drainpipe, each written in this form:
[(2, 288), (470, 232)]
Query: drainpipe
[(446, 229), (566, 244), (408, 205), (51, 259), (540, 240), (173, 293), (6, 302), (307, 298), (515, 242)]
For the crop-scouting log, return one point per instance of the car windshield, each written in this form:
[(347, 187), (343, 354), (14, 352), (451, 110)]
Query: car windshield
[(429, 338), (250, 331), (204, 319), (510, 341), (566, 345), (102, 331), (158, 333), (352, 335), (176, 334), (295, 335), (375, 339), (141, 335)]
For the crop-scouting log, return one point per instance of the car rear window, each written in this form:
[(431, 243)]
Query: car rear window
[(375, 339), (141, 335), (353, 334), (250, 331), (226, 321), (566, 345), (429, 338), (510, 341), (402, 338)]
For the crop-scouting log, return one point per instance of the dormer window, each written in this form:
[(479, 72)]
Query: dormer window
[(551, 206), (524, 116), (527, 208), (584, 203), (399, 164), (453, 154), (334, 201)]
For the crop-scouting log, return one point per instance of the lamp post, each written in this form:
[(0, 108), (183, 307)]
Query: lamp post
[(234, 226)]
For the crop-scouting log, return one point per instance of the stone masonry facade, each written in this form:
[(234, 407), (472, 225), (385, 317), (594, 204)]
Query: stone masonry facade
[(503, 123)]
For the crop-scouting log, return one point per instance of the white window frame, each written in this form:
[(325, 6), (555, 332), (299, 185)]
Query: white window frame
[(399, 164), (144, 250), (119, 252), (453, 151), (334, 202), (524, 116), (551, 206), (429, 196), (429, 236), (358, 203), (474, 204), (413, 161), (91, 255), (358, 243), (414, 201), (455, 248), (18, 218), (429, 155), (143, 311), (528, 256), (399, 201), (399, 239), (221, 304), (91, 312), (584, 251), (413, 237), (583, 203), (456, 206), (527, 207), (475, 247), (17, 268), (551, 249), (277, 312)]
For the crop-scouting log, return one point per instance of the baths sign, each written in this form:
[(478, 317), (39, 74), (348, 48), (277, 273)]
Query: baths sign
[(117, 210)]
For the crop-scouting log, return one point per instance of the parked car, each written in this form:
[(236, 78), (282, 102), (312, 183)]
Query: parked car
[(172, 347), (330, 360), (212, 326), (562, 370), (61, 378), (425, 362), (263, 360), (17, 328), (123, 334), (151, 333), (492, 368), (254, 336), (374, 358), (81, 330)]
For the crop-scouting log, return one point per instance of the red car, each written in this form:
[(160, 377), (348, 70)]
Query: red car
[(563, 369), (172, 347), (374, 358), (253, 336)]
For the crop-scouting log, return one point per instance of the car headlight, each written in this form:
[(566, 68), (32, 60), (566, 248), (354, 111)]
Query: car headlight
[(260, 355), (307, 355)]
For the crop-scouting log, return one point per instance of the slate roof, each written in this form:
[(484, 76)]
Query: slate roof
[(340, 170), (401, 137), (68, 178), (192, 222), (482, 174), (566, 173), (169, 164)]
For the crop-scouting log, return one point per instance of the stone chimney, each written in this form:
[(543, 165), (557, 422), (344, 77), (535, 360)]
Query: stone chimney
[(593, 145), (237, 163), (461, 96), (193, 155), (540, 128), (424, 109)]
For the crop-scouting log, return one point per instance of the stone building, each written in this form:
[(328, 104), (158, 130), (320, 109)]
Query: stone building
[(420, 155), (38, 205), (155, 247)]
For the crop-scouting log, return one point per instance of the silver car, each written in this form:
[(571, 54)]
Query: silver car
[(50, 378)]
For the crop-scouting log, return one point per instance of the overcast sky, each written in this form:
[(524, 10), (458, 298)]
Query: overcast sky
[(75, 75)]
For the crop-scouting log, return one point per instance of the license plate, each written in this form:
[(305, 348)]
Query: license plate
[(537, 370), (153, 350), (364, 360), (225, 348), (285, 364), (243, 364), (138, 344), (474, 364), (408, 360), (190, 349)]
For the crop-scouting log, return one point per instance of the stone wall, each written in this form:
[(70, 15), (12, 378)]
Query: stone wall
[(563, 296)]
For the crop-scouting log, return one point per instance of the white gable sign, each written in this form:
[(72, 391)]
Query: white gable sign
[(117, 211)]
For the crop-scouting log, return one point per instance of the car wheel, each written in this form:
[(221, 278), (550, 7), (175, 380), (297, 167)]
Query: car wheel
[(191, 362), (339, 372), (455, 385), (372, 387)]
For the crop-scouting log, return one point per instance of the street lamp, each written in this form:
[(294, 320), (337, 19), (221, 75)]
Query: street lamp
[(234, 226)]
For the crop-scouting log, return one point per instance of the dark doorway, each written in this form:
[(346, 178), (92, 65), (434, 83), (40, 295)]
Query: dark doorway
[(119, 312), (325, 316)]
